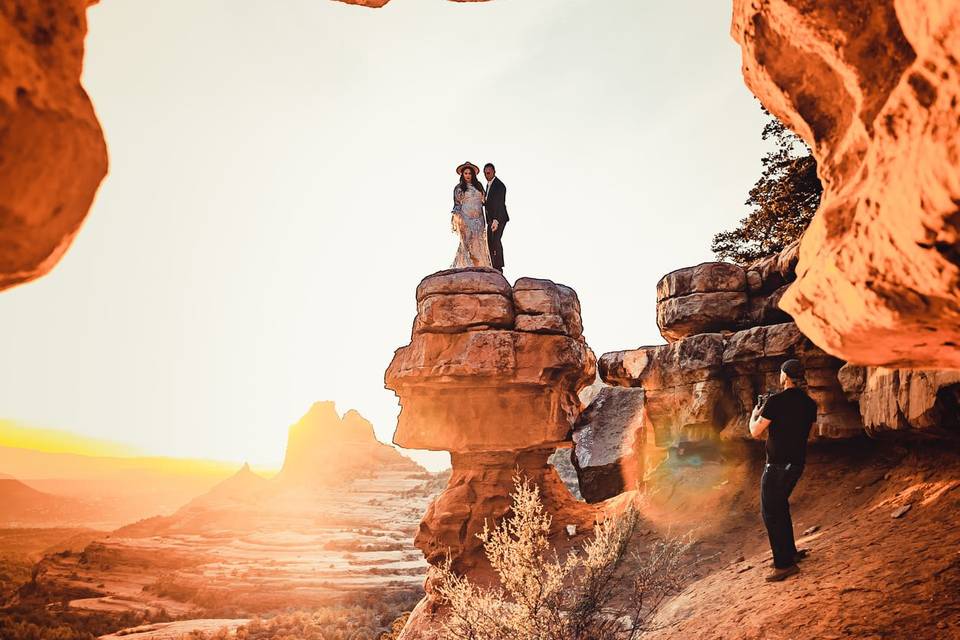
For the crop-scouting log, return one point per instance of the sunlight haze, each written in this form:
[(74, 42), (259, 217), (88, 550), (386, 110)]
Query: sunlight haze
[(281, 177)]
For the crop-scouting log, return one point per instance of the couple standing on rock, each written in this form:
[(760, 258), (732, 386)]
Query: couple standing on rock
[(479, 216)]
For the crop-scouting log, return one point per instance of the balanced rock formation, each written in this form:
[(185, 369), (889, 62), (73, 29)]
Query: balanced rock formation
[(491, 374), (873, 88), (52, 152)]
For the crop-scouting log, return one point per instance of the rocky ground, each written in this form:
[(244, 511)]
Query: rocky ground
[(879, 521)]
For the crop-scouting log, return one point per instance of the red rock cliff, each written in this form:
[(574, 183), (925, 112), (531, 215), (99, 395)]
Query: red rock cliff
[(873, 88)]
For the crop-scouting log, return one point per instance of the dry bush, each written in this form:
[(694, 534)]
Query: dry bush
[(602, 591)]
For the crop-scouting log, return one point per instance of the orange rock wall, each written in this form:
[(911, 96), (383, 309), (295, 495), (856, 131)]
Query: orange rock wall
[(873, 88)]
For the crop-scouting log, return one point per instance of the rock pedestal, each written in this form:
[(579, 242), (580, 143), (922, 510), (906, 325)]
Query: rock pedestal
[(491, 374)]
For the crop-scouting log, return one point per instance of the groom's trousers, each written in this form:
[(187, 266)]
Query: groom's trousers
[(496, 246)]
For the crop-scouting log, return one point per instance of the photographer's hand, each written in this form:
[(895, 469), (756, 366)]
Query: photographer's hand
[(758, 424)]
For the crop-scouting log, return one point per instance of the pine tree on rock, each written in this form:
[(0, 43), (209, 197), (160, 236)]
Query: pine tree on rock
[(782, 201)]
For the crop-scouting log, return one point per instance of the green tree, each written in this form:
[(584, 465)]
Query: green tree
[(782, 201)]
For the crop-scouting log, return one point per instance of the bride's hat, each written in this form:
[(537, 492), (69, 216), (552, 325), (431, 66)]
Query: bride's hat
[(476, 169)]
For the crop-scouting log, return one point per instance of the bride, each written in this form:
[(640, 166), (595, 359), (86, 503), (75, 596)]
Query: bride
[(468, 220)]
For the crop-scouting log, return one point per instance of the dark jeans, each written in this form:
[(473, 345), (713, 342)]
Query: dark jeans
[(776, 485), (495, 245)]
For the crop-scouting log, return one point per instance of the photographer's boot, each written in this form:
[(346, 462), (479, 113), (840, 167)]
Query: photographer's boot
[(782, 574)]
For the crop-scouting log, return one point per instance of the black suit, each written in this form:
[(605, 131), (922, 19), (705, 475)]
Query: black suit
[(496, 209)]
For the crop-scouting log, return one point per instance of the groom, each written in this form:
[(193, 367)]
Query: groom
[(496, 213)]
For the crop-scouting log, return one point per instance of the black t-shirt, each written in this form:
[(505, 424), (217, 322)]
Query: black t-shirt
[(791, 414)]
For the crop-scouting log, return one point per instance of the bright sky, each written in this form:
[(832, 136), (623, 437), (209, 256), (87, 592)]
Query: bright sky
[(280, 181)]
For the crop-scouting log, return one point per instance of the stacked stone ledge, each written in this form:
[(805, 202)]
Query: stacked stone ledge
[(726, 338), (719, 296), (491, 375)]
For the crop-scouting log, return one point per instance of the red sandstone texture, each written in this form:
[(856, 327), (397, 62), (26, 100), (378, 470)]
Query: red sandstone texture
[(491, 374), (873, 88), (52, 152), (726, 341)]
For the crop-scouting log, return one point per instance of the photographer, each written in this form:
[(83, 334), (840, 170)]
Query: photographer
[(786, 417)]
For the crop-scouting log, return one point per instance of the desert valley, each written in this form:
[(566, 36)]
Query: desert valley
[(333, 528), (779, 459)]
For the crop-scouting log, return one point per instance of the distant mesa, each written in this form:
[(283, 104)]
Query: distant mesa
[(323, 451), (323, 447)]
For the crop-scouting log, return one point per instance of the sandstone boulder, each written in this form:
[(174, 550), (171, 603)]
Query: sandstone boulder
[(872, 87), (608, 439), (457, 312), (904, 399), (704, 387), (709, 277), (52, 152), (547, 307), (718, 296), (708, 297), (700, 313)]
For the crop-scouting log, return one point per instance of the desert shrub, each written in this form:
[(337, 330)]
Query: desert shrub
[(395, 628), (33, 621), (602, 591), (168, 586)]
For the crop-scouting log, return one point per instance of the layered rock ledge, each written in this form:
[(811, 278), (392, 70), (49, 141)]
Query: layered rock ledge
[(719, 296), (491, 374), (726, 342)]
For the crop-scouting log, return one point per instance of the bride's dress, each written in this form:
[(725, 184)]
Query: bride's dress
[(469, 222)]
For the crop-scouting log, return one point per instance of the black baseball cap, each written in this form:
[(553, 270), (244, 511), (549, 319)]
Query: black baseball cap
[(793, 368)]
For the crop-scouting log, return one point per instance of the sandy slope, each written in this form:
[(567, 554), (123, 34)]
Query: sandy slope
[(869, 575)]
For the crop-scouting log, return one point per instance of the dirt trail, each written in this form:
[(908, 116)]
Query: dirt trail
[(869, 574)]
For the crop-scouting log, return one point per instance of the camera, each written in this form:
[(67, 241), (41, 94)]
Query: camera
[(762, 398)]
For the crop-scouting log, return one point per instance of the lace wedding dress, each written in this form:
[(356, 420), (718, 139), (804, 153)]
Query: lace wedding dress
[(468, 221)]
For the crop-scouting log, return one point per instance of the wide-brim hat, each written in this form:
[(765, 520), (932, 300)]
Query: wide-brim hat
[(476, 169)]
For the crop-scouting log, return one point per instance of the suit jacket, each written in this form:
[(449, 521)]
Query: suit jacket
[(495, 207)]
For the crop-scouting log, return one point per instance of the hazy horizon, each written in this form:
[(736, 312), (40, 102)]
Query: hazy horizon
[(280, 181)]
